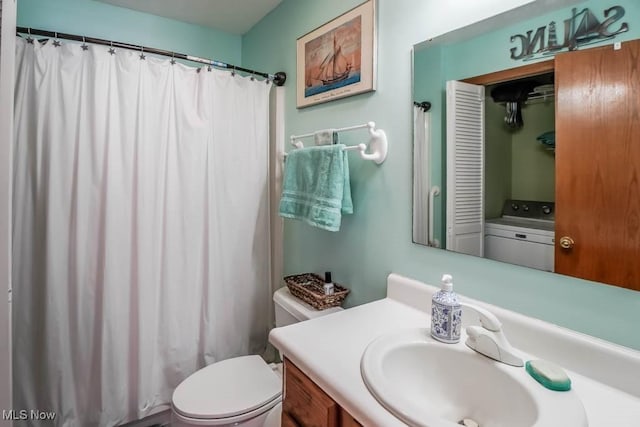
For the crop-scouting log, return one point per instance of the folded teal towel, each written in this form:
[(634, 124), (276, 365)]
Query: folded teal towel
[(316, 186)]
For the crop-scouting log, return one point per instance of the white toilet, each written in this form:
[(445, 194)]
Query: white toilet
[(242, 391)]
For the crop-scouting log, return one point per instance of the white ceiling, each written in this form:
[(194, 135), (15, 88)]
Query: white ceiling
[(231, 16)]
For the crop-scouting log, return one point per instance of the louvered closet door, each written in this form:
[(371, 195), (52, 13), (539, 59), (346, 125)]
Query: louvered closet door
[(465, 168)]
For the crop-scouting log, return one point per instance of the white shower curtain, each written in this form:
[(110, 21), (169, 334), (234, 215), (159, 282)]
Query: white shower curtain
[(140, 228), (421, 175)]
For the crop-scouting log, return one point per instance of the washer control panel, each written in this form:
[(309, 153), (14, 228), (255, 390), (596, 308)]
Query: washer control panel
[(529, 209)]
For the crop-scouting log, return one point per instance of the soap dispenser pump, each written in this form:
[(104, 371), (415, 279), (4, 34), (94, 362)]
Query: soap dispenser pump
[(446, 313)]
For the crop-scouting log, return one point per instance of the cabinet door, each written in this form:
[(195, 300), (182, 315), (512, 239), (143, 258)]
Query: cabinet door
[(346, 420), (304, 402), (598, 164), (288, 421)]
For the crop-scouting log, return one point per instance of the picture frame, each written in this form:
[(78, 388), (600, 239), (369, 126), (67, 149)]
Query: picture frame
[(338, 59)]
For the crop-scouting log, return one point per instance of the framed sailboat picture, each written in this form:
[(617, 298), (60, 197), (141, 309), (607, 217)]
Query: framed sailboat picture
[(338, 59)]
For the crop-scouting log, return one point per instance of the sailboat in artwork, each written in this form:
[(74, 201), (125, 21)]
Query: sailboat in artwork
[(335, 67)]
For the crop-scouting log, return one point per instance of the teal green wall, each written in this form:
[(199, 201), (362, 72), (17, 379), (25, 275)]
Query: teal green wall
[(474, 57), (376, 240), (102, 20), (532, 166), (517, 166), (497, 154)]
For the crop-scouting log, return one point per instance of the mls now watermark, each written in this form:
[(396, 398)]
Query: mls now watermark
[(31, 415)]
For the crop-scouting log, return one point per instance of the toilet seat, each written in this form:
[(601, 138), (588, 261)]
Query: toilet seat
[(229, 391)]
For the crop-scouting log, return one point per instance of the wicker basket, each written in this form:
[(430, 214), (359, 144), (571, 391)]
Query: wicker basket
[(309, 288)]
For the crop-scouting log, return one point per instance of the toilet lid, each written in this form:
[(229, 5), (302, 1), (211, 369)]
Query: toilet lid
[(228, 388)]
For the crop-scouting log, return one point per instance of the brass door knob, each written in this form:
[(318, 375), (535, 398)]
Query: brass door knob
[(566, 242)]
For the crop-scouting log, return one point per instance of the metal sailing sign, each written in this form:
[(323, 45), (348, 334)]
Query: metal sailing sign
[(582, 28)]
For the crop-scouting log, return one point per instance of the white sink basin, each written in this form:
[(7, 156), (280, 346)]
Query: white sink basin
[(427, 383)]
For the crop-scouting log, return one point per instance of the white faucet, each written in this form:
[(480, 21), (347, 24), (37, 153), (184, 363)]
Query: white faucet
[(489, 339)]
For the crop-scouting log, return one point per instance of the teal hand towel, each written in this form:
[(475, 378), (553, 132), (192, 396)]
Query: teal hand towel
[(316, 187)]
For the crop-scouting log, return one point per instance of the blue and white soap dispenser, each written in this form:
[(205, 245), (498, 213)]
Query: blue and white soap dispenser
[(446, 313)]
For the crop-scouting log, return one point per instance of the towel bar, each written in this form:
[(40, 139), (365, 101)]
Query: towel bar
[(378, 145)]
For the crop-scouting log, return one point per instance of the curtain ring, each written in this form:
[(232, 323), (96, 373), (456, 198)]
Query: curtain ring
[(29, 38), (56, 42), (112, 51), (142, 56), (173, 58), (84, 44), (233, 71)]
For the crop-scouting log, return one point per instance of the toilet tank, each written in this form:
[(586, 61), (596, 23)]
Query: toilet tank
[(289, 309)]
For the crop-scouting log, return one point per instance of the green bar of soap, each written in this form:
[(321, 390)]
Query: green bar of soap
[(549, 375)]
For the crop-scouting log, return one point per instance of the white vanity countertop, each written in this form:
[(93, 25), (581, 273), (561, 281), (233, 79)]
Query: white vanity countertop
[(328, 350)]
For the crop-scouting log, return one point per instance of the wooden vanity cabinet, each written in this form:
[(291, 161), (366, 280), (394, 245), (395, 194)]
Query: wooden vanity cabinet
[(306, 405)]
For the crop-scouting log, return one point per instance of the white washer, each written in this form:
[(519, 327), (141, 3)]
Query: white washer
[(521, 241)]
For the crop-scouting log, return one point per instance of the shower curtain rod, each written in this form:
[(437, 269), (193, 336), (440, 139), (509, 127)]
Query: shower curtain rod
[(278, 78)]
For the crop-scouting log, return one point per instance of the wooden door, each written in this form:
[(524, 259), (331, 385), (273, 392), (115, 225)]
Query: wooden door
[(465, 168), (598, 164)]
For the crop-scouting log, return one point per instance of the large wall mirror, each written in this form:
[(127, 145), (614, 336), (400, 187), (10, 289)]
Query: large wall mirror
[(527, 140)]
